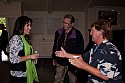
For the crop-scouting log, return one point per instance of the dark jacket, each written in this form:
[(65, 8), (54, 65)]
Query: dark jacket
[(4, 40), (74, 45)]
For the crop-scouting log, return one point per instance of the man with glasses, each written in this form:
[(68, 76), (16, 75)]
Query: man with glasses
[(72, 41)]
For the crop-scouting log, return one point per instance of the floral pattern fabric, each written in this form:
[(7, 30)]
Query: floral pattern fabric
[(15, 46)]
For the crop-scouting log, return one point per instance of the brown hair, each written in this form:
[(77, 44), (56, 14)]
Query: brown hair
[(105, 26)]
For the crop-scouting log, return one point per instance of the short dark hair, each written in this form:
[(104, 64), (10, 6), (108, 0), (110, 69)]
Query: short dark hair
[(2, 26), (105, 26), (19, 25), (70, 17)]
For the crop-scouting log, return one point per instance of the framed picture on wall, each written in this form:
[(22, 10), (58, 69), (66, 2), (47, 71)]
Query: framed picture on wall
[(108, 15)]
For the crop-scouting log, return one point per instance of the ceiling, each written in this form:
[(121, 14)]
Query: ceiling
[(64, 5)]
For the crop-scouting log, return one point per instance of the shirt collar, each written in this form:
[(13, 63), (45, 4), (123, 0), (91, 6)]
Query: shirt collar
[(104, 41)]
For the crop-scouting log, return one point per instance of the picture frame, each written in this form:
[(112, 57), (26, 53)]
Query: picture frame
[(112, 16)]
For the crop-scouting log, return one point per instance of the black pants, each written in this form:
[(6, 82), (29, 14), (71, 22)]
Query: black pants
[(17, 79), (0, 54)]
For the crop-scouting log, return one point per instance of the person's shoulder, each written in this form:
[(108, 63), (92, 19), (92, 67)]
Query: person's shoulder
[(15, 37), (113, 50), (60, 30), (76, 29), (111, 47)]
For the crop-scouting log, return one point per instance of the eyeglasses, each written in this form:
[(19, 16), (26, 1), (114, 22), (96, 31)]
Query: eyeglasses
[(66, 23)]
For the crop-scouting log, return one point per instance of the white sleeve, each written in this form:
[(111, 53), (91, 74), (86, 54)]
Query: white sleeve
[(15, 46)]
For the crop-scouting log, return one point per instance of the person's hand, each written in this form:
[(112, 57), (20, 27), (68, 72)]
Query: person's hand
[(54, 62), (78, 62), (34, 56), (61, 53)]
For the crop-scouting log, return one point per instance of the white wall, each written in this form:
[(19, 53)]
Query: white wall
[(10, 10), (79, 15), (43, 42)]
